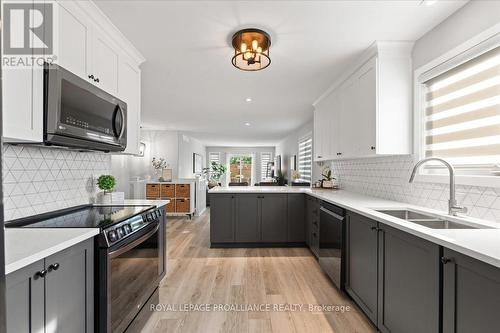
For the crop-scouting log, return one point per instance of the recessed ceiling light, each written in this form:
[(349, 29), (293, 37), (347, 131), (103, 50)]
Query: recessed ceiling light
[(247, 124), (248, 99), (428, 2)]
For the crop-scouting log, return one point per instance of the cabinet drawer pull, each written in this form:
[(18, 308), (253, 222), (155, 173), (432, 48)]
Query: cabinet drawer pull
[(96, 80), (445, 260), (91, 76), (372, 148), (54, 267), (319, 156), (41, 274), (374, 228)]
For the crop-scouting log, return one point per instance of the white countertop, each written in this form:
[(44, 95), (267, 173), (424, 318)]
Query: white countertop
[(24, 246), (139, 202), (482, 244)]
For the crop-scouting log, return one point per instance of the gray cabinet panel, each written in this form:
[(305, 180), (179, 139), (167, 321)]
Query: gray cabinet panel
[(69, 289), (247, 218), (408, 300), (361, 263), (221, 218), (296, 218), (471, 295), (25, 300), (273, 209)]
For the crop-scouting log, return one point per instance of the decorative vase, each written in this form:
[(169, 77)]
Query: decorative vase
[(327, 184)]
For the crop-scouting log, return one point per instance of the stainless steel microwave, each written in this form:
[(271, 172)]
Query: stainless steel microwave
[(80, 115)]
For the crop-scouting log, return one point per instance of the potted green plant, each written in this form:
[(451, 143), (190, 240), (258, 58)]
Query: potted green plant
[(327, 181), (214, 173), (107, 184)]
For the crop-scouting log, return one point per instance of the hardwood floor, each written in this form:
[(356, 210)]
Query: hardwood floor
[(199, 275)]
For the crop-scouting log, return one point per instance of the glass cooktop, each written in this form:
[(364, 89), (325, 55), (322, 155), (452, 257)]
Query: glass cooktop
[(80, 217)]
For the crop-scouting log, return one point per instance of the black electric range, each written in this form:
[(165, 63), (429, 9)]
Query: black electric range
[(129, 262)]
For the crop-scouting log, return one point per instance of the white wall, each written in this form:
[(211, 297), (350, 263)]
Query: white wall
[(470, 20), (224, 151), (175, 147), (188, 146)]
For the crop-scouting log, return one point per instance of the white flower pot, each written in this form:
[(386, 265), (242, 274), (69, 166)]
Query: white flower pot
[(104, 198)]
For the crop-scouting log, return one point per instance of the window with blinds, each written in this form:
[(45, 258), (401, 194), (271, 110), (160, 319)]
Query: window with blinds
[(462, 115), (265, 158), (304, 162), (213, 157)]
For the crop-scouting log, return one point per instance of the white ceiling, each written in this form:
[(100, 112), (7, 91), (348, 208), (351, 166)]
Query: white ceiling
[(189, 84)]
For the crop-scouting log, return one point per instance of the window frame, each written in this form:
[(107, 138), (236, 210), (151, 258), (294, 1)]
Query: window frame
[(471, 49)]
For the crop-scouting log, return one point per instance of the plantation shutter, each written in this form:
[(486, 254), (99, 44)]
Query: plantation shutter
[(264, 159)]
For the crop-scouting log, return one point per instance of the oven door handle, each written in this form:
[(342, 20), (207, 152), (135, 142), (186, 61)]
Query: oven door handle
[(134, 243), (337, 216)]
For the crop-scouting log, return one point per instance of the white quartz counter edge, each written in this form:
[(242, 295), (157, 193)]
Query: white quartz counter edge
[(482, 244), (26, 246), (139, 202)]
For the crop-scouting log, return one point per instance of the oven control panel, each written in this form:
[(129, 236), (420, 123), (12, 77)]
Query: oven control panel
[(125, 228)]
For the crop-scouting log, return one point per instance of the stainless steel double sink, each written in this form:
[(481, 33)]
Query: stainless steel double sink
[(429, 221)]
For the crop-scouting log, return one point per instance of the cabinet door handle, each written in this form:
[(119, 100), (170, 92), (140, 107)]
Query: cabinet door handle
[(91, 76), (372, 147), (96, 80), (54, 267), (320, 156), (374, 228), (445, 260), (41, 274)]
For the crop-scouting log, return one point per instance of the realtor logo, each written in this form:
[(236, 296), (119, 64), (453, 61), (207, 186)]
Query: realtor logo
[(28, 28)]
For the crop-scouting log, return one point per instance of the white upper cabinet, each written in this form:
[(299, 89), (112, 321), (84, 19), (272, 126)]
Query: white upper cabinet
[(88, 45), (104, 62), (129, 89), (73, 38), (368, 111)]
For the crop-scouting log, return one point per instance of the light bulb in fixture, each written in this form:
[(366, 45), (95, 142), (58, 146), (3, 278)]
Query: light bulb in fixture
[(243, 47), (248, 55), (255, 44)]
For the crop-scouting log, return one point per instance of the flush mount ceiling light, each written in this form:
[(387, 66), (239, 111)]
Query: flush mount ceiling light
[(248, 99), (251, 49)]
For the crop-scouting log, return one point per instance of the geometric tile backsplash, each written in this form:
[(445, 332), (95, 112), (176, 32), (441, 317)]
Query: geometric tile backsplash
[(42, 179), (387, 177)]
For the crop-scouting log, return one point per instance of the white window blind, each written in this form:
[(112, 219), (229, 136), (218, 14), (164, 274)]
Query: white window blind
[(305, 158), (264, 159), (462, 114), (213, 157)]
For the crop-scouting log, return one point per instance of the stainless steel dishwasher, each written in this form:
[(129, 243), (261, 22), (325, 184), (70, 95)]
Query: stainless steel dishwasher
[(331, 242)]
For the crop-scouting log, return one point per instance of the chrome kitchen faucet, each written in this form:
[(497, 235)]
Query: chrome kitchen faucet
[(453, 207)]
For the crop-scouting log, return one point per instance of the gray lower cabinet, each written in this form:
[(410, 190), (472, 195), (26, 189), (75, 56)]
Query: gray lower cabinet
[(222, 216), (408, 289), (56, 293), (247, 222), (25, 299), (270, 218), (273, 209), (296, 215), (471, 294), (312, 224), (393, 276), (362, 263)]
